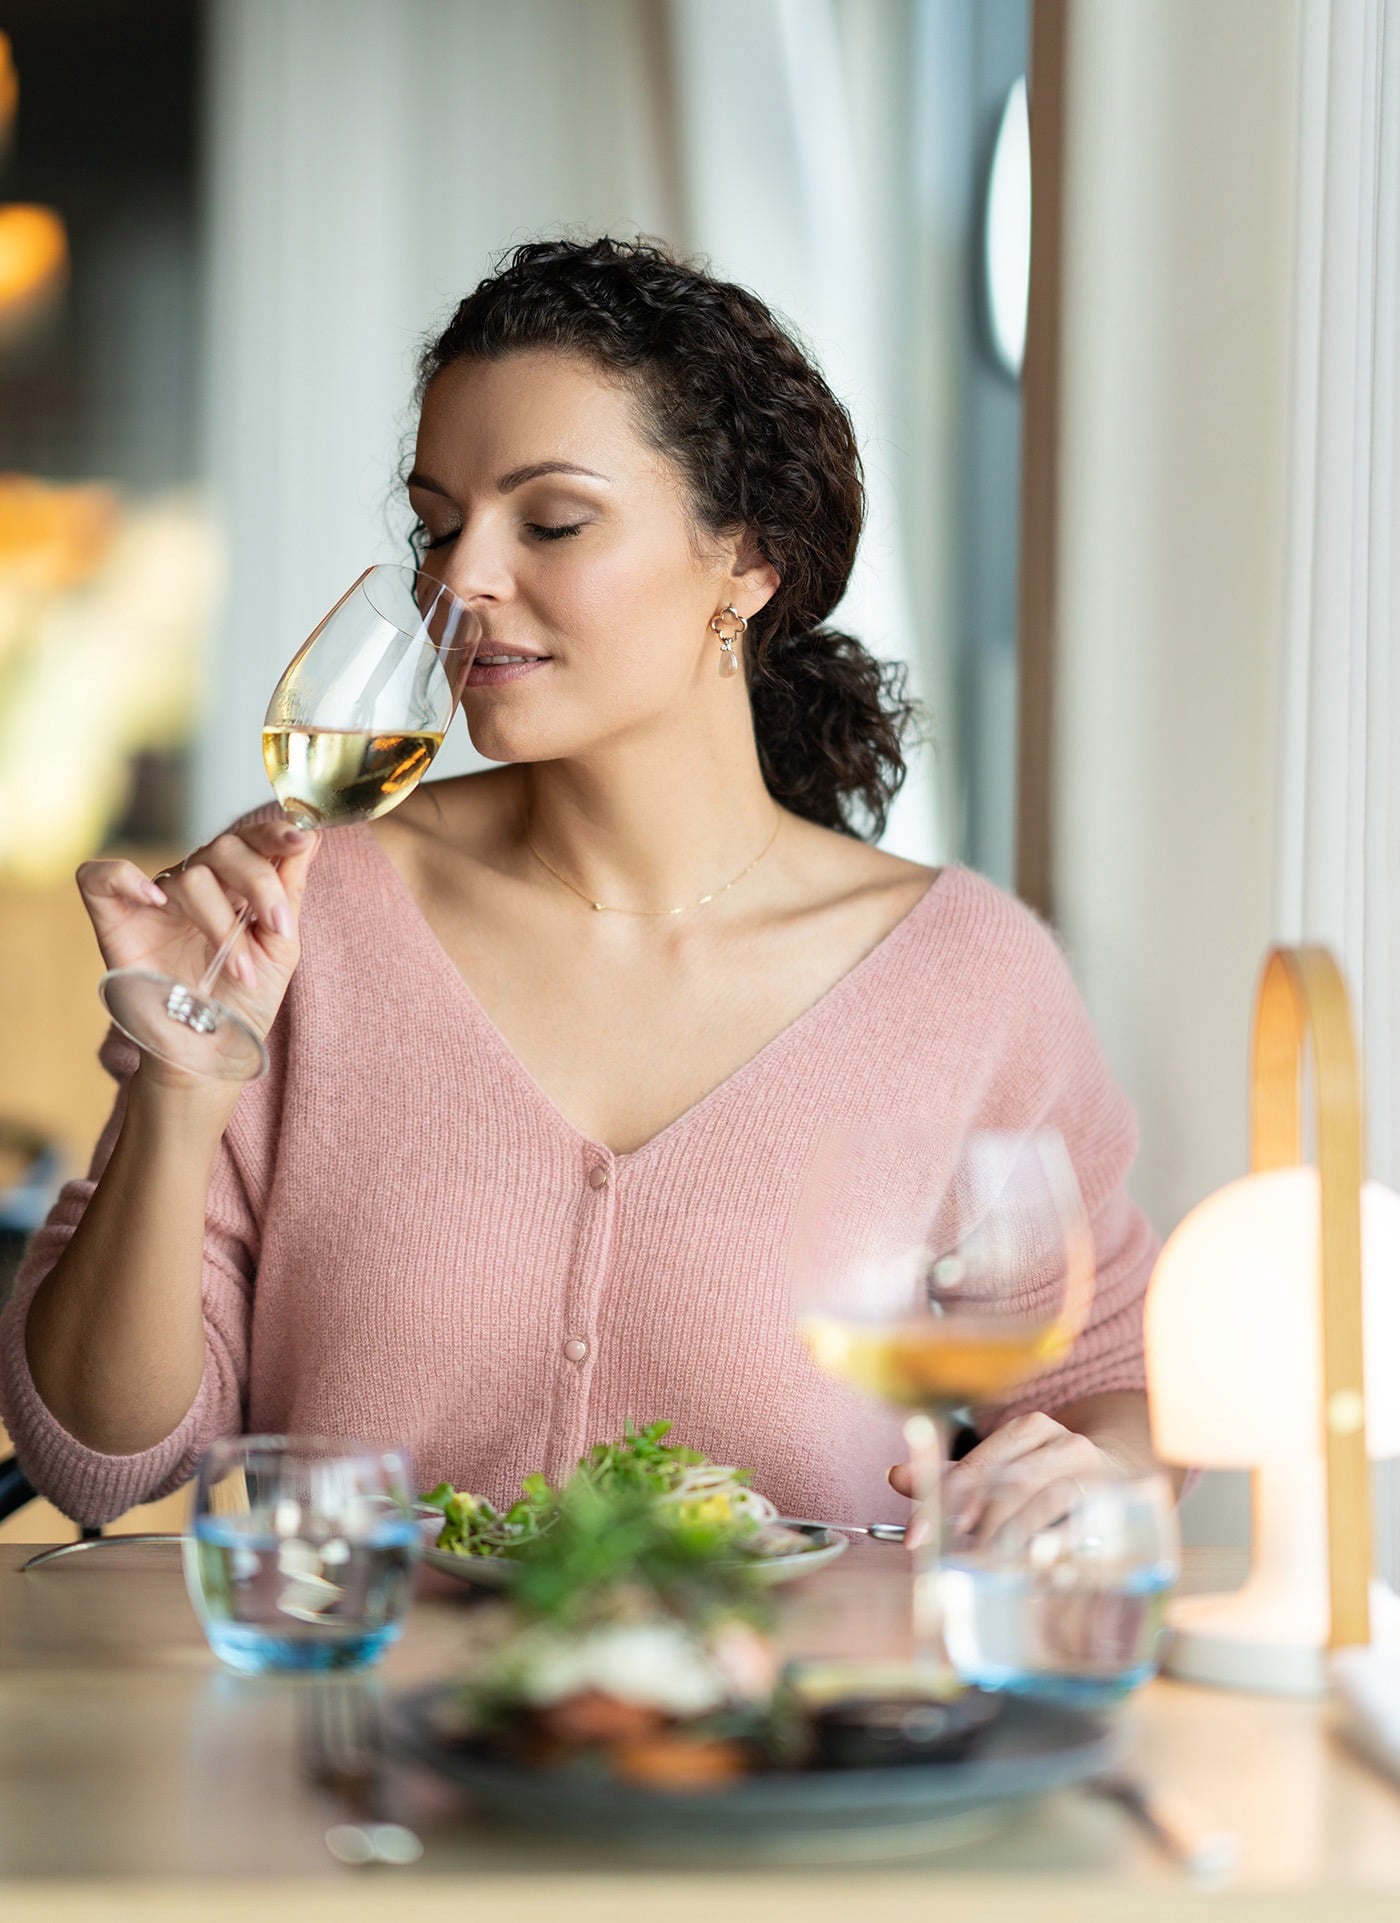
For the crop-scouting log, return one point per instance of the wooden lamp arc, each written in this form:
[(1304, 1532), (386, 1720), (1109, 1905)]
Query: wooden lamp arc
[(1255, 1309)]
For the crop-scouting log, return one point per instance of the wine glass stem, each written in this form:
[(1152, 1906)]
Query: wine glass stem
[(924, 1440), (222, 953), (225, 948)]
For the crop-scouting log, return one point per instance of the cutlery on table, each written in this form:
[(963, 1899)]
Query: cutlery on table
[(85, 1543), (343, 1752), (1181, 1831), (877, 1531)]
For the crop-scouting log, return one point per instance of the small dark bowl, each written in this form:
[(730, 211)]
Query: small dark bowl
[(889, 1731)]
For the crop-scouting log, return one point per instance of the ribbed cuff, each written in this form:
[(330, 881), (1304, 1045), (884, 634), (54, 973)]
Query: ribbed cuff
[(85, 1484)]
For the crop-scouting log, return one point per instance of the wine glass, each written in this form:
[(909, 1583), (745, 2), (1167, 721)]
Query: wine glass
[(936, 1277), (352, 727)]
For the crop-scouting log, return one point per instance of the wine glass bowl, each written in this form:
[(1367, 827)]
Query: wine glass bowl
[(359, 714), (352, 727), (955, 1278), (936, 1276)]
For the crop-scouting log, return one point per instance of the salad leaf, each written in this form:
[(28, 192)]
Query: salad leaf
[(471, 1526), (643, 1468), (643, 1461), (615, 1548)]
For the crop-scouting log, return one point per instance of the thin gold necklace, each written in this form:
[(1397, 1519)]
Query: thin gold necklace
[(604, 907)]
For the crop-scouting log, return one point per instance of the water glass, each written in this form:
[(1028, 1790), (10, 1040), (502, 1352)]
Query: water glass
[(301, 1552), (1060, 1592)]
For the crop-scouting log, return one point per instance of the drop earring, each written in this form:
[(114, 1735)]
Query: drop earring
[(728, 660)]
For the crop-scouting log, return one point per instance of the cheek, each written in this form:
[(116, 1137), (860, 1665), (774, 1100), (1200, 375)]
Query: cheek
[(632, 604)]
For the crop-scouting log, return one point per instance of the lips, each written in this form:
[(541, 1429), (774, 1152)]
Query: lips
[(489, 670)]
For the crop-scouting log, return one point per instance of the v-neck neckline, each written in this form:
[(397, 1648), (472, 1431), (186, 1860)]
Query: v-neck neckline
[(737, 1078)]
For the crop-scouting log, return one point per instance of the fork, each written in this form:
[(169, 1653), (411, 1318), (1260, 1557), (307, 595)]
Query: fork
[(877, 1531), (342, 1749)]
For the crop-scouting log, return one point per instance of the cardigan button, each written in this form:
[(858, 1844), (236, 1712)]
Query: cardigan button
[(598, 1177), (576, 1349)]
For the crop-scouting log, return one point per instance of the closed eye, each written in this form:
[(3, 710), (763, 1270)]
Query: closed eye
[(419, 542), (538, 530)]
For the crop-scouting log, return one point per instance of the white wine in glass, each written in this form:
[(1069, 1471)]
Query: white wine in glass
[(937, 1277), (323, 776), (351, 729)]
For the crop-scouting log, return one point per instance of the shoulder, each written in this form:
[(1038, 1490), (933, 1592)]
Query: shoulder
[(426, 837), (991, 965), (1025, 1015), (995, 933)]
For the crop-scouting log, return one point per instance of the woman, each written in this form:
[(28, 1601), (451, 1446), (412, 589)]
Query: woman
[(550, 1044)]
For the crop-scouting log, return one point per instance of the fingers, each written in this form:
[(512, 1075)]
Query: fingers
[(989, 1488), (248, 876), (290, 848), (276, 838), (120, 881), (296, 867), (197, 892), (1011, 1445), (1014, 1512)]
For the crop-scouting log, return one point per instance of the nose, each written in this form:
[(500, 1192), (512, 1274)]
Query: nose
[(476, 566)]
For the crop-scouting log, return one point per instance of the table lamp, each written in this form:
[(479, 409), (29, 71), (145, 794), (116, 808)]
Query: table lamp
[(1273, 1307)]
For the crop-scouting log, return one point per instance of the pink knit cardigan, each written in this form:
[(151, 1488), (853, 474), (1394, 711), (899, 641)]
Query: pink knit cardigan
[(406, 1239)]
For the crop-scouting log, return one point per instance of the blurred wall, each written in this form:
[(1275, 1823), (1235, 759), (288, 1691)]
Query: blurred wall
[(369, 158), (1173, 475), (987, 508)]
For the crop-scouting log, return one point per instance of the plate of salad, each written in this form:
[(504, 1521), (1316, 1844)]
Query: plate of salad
[(629, 1687), (473, 1540)]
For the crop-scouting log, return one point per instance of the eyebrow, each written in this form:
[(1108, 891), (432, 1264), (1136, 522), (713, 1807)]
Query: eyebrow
[(517, 476)]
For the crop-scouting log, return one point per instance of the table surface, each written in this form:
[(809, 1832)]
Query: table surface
[(127, 1753)]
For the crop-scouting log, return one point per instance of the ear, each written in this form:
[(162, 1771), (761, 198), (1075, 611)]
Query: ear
[(754, 578)]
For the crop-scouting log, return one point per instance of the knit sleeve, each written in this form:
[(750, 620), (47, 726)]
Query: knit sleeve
[(84, 1483), (1056, 1078)]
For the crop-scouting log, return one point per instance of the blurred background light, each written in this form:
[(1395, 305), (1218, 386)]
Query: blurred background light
[(1007, 233)]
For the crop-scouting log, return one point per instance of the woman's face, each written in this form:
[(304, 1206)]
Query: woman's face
[(547, 512)]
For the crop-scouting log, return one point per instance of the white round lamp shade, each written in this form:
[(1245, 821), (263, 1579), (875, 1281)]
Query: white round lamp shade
[(1234, 1330)]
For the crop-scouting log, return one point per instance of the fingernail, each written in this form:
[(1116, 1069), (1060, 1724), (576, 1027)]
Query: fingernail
[(916, 1535), (156, 895), (280, 919)]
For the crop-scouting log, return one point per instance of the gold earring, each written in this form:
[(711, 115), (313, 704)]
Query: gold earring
[(728, 660)]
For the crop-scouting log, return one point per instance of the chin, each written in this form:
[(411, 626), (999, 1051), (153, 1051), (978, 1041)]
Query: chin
[(521, 737)]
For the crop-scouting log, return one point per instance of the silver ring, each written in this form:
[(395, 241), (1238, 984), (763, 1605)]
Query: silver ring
[(178, 869)]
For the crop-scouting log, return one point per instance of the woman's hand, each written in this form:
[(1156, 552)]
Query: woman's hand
[(173, 923), (1030, 1469)]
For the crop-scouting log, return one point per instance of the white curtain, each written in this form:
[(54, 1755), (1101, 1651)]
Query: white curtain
[(370, 157), (1339, 802)]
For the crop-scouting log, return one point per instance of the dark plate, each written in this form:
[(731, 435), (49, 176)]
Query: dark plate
[(1031, 1749)]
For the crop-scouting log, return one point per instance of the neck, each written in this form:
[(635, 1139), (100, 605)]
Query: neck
[(649, 824)]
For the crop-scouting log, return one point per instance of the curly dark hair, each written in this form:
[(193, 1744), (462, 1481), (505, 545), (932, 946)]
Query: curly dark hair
[(763, 445)]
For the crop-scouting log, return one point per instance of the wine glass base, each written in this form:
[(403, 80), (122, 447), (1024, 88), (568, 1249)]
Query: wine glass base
[(193, 1032)]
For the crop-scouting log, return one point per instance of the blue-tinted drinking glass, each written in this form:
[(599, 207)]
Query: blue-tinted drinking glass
[(1060, 1592), (301, 1552)]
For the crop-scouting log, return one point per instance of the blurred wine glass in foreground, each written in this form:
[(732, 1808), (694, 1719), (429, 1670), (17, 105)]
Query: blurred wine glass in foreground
[(936, 1280), (352, 728)]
